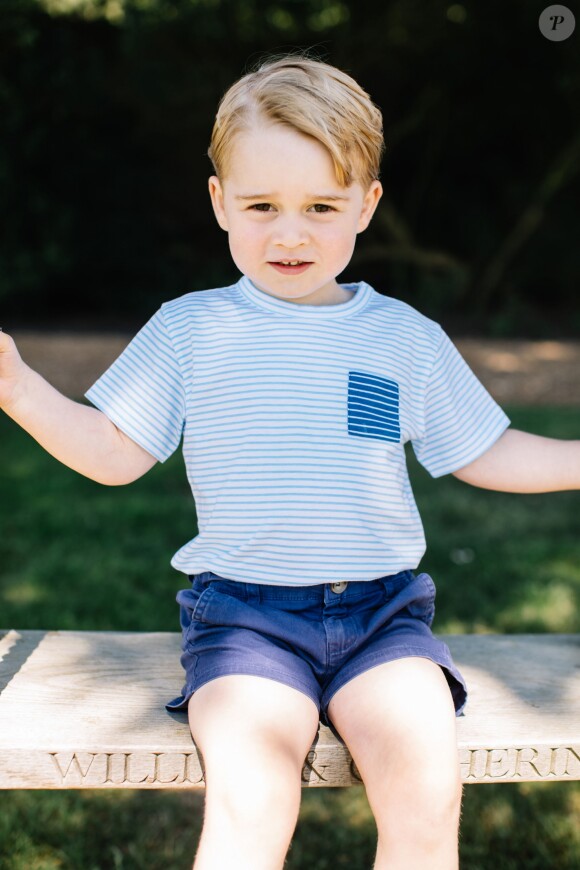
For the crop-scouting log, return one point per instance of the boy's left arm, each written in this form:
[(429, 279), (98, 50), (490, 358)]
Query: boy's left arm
[(522, 462)]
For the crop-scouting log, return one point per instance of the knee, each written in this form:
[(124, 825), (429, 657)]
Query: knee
[(250, 815), (425, 805), (253, 790), (257, 809), (439, 799)]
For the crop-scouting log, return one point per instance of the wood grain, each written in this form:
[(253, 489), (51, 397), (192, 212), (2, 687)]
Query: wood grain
[(86, 710)]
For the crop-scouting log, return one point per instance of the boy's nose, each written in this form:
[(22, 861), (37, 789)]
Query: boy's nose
[(290, 234)]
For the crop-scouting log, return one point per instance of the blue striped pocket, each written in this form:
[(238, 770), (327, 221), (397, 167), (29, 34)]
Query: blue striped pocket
[(373, 407)]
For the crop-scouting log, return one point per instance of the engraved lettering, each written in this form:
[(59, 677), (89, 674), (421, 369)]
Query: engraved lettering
[(194, 770), (555, 768), (527, 762), (497, 764), (73, 766), (572, 752), (309, 768), (116, 768), (76, 769), (144, 762), (354, 771), (476, 764), (465, 763), (168, 763), (521, 760)]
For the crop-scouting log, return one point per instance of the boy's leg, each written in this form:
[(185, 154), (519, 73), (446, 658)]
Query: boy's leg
[(254, 735), (398, 722)]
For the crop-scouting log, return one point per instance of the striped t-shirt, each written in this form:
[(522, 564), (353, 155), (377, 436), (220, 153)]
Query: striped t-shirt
[(294, 419)]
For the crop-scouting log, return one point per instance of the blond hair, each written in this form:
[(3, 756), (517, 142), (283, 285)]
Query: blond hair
[(314, 99)]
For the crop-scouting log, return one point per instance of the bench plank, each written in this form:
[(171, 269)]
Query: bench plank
[(86, 710)]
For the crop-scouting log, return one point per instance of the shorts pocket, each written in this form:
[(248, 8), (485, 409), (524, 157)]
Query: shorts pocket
[(422, 602), (219, 605), (191, 603), (214, 610)]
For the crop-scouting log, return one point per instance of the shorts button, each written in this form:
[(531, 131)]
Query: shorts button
[(338, 587)]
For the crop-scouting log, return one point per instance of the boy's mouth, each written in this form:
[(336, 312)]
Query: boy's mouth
[(290, 267)]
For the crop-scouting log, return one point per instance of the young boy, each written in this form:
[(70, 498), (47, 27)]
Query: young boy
[(294, 396)]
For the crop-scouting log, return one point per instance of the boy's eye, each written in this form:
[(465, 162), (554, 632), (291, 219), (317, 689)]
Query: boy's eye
[(318, 207)]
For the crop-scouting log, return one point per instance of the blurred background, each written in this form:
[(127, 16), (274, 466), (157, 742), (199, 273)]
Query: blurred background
[(106, 110)]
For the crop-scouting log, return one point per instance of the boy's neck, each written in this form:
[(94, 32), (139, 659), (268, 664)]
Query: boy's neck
[(330, 296)]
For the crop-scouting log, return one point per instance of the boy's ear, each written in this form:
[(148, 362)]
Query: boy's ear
[(370, 202), (217, 200)]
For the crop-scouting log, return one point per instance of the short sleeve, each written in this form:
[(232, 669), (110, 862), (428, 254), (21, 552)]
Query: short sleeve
[(142, 392), (461, 419)]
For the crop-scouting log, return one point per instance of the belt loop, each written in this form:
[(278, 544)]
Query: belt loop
[(253, 593)]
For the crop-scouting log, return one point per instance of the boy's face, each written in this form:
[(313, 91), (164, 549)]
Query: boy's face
[(280, 201)]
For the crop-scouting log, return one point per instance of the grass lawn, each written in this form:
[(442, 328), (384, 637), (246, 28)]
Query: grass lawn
[(74, 554)]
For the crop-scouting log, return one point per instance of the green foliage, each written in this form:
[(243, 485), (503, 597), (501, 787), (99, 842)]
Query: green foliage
[(75, 554), (107, 108), (98, 831), (504, 562)]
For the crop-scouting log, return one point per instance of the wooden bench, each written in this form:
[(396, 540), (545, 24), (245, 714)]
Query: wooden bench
[(86, 710)]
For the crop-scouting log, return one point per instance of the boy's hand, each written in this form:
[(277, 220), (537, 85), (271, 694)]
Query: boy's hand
[(12, 370)]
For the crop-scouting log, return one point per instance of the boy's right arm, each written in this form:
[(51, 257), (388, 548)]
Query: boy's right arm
[(77, 435)]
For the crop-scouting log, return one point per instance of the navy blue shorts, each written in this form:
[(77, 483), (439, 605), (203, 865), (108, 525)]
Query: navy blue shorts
[(313, 638)]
